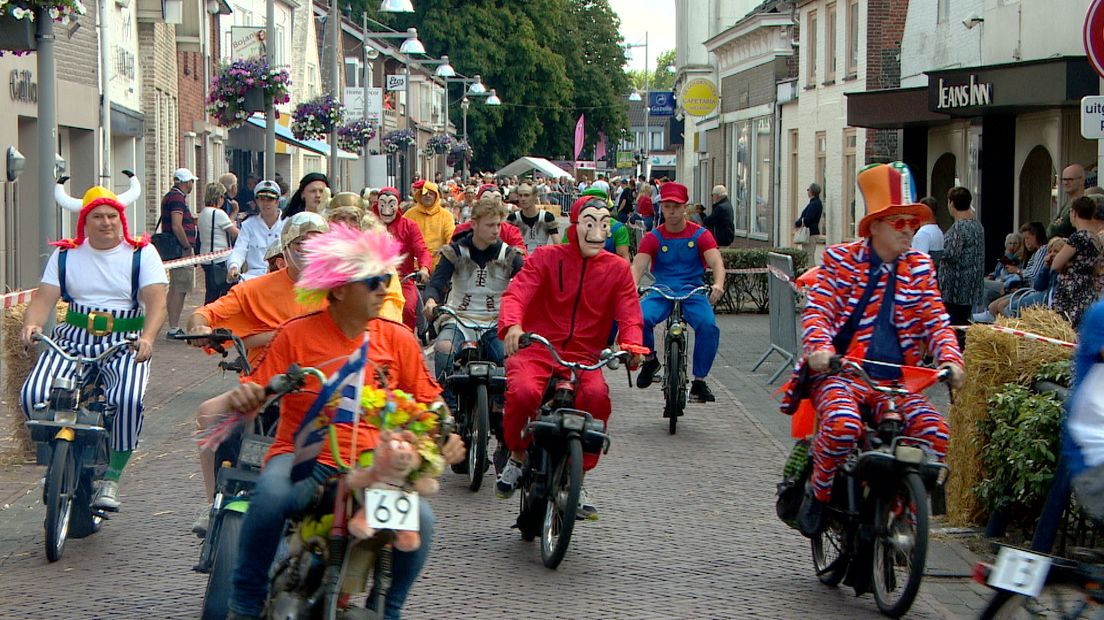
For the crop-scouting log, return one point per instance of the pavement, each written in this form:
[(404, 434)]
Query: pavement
[(687, 527)]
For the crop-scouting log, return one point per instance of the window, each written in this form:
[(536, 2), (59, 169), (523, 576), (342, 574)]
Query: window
[(740, 191), (850, 218), (764, 161), (942, 11), (794, 181), (656, 143), (811, 49), (830, 40), (353, 70), (312, 80), (821, 151), (852, 38)]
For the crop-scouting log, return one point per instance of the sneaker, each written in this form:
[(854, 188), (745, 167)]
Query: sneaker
[(647, 372), (173, 333), (699, 389), (199, 528), (508, 480), (586, 510), (983, 317), (810, 517), (107, 496)]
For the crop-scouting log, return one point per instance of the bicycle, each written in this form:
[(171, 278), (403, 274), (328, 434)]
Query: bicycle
[(552, 476), (71, 428), (675, 385), (1029, 584), (877, 522), (474, 381)]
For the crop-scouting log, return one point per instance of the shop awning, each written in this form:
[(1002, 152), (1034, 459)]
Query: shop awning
[(323, 147), (891, 109), (283, 134)]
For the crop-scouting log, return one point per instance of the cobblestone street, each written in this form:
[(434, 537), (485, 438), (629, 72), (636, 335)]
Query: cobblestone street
[(687, 526)]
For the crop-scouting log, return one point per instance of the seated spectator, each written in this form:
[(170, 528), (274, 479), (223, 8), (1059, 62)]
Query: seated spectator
[(1034, 243), (1045, 285), (1002, 279)]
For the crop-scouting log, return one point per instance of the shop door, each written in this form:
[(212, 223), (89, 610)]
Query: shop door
[(1036, 184), (942, 180)]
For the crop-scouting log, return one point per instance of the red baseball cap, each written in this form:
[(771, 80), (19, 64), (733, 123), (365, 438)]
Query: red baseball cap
[(673, 192)]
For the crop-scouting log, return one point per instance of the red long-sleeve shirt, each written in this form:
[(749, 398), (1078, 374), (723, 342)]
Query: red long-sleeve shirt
[(413, 245), (573, 301)]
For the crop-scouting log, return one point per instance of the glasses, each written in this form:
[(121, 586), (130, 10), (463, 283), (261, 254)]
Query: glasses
[(375, 283), (901, 223)]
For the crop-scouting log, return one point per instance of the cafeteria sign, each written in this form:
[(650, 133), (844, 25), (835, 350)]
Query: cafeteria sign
[(699, 97)]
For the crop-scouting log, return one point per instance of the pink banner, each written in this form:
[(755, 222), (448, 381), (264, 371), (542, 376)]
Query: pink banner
[(600, 150), (580, 132)]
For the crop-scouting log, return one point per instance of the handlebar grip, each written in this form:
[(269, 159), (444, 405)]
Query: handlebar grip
[(835, 364), (525, 340)]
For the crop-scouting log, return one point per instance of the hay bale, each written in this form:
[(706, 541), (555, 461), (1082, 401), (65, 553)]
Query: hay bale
[(992, 360), (15, 444)]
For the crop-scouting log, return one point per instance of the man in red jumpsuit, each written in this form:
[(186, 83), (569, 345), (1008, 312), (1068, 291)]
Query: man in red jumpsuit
[(571, 294), (413, 246)]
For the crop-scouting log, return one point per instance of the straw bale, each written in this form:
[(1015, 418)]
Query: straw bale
[(15, 441), (992, 360)]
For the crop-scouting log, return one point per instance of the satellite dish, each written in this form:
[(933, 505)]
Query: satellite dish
[(370, 52)]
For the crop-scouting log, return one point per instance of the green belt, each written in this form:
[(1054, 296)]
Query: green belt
[(103, 323)]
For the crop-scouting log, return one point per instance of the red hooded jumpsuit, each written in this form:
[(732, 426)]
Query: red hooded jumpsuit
[(565, 298)]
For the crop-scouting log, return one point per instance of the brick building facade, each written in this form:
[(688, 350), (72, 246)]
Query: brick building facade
[(161, 105)]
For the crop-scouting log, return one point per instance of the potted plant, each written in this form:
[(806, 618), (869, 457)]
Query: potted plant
[(355, 135), (460, 151), (398, 140), (17, 17), (439, 144), (313, 119), (245, 86)]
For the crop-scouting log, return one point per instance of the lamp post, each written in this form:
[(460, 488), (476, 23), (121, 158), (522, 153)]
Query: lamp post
[(477, 89), (464, 107), (270, 106), (646, 150)]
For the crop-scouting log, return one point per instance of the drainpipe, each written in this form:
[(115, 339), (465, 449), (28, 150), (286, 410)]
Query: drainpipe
[(47, 134), (105, 97)]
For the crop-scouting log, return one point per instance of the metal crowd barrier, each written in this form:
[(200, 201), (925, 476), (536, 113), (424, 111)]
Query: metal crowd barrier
[(783, 313)]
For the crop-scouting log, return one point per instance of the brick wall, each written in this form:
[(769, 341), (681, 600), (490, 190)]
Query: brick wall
[(192, 93), (160, 106), (77, 59), (885, 28)]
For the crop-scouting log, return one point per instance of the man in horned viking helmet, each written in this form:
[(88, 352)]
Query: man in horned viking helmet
[(115, 288)]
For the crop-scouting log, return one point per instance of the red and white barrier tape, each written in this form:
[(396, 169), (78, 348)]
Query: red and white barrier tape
[(21, 297), (1031, 336)]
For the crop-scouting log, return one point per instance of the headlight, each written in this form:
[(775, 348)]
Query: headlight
[(677, 329), (574, 422), (479, 370), (909, 454), (66, 416)]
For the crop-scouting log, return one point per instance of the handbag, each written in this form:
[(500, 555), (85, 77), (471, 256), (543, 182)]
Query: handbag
[(215, 270), (167, 245), (801, 235)]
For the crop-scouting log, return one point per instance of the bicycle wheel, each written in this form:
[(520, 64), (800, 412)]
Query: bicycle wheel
[(61, 486), (900, 546), (1061, 601), (675, 382), (830, 555), (84, 520), (480, 431), (463, 428), (563, 502), (216, 599)]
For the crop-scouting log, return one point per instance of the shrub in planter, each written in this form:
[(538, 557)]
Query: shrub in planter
[(313, 119), (754, 286), (238, 81)]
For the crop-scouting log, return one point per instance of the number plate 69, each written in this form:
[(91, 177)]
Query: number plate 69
[(390, 509)]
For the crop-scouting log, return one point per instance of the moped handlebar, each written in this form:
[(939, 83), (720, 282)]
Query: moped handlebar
[(840, 363), (442, 309), (81, 359), (668, 294), (606, 358), (216, 341)]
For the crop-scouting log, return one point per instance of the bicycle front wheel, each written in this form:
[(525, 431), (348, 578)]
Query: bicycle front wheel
[(674, 378), (563, 503), (61, 484), (480, 433), (1060, 601), (900, 546)]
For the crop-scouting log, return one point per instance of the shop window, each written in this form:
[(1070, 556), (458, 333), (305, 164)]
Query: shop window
[(795, 178), (811, 48), (850, 218), (852, 38), (819, 172), (739, 189), (762, 204), (830, 42)]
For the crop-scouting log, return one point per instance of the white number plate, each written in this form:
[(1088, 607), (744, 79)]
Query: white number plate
[(1020, 571), (390, 509)]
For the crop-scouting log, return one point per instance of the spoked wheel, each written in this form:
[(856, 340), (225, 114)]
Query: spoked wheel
[(61, 487), (479, 437), (1060, 601), (463, 427), (563, 503), (530, 515), (900, 546), (675, 381), (86, 520), (830, 555), (216, 599)]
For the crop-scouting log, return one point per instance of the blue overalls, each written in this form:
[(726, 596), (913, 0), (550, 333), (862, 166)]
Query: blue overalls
[(678, 267)]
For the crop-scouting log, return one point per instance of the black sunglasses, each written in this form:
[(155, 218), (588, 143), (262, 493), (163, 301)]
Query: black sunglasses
[(375, 283)]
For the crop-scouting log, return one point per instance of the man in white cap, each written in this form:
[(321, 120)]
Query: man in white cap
[(178, 217)]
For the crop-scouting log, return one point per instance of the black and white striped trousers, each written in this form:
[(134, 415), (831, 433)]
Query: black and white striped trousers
[(124, 378)]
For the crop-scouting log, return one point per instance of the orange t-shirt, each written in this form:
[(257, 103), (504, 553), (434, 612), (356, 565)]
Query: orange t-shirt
[(315, 340), (264, 303)]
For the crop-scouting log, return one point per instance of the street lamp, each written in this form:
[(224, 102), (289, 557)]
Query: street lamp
[(635, 96), (491, 97), (444, 70), (396, 6), (477, 87)]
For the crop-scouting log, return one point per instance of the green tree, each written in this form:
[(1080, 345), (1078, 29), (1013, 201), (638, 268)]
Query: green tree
[(662, 78)]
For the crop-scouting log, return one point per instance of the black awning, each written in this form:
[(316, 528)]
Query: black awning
[(891, 109)]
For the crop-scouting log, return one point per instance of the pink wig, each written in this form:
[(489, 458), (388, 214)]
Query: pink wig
[(345, 255)]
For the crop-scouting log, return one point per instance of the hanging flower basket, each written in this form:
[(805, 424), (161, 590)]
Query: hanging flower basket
[(439, 143), (17, 21), (355, 135), (313, 119), (461, 151), (398, 140), (17, 35), (243, 87)]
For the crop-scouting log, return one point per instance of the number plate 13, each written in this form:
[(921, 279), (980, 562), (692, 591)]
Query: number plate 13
[(390, 509), (1020, 571)]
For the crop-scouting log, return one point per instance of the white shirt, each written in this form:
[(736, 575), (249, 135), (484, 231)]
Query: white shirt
[(254, 237), (928, 239), (602, 185), (1086, 416), (101, 278), (221, 239)]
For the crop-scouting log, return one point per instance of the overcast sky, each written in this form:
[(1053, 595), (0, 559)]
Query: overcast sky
[(654, 17)]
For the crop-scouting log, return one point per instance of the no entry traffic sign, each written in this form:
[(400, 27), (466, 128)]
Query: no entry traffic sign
[(1094, 36)]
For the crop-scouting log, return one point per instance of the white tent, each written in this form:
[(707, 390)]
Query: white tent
[(524, 165)]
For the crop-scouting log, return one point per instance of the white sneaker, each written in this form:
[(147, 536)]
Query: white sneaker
[(586, 510), (199, 528), (107, 496), (508, 480)]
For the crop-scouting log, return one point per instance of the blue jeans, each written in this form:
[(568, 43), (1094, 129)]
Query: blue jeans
[(699, 314), (274, 499), (493, 351)]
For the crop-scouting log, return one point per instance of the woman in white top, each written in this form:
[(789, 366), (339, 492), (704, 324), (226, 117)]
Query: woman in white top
[(216, 233), (257, 232)]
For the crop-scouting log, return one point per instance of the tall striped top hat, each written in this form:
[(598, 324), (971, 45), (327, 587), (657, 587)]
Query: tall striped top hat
[(887, 190)]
